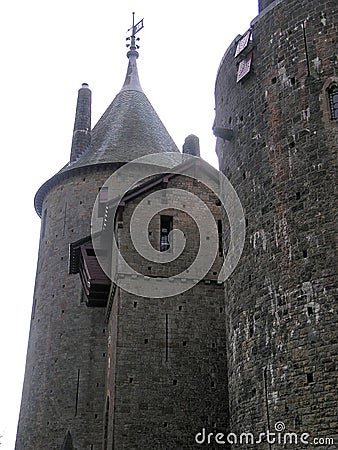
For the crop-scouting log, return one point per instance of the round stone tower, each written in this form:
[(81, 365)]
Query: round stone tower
[(277, 126), (64, 387)]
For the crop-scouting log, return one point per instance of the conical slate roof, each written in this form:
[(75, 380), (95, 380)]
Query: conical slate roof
[(129, 128)]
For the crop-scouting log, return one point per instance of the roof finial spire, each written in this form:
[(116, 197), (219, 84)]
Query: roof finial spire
[(132, 81), (133, 47)]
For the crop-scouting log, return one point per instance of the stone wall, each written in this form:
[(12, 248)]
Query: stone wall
[(66, 358), (167, 375), (280, 308)]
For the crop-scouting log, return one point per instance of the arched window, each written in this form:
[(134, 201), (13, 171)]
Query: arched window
[(333, 101)]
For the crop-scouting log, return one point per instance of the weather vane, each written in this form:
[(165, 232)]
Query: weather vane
[(135, 29)]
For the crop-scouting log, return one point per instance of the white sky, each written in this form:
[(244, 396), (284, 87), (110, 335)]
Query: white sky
[(48, 50)]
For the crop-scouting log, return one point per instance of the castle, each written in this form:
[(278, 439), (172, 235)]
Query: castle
[(134, 352)]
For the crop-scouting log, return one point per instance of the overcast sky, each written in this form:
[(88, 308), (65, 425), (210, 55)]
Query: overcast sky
[(48, 49)]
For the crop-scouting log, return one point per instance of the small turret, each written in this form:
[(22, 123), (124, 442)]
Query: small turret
[(82, 124)]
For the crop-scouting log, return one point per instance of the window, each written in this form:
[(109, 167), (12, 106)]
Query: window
[(103, 198), (309, 377), (333, 100), (43, 224), (90, 251), (166, 225), (220, 237)]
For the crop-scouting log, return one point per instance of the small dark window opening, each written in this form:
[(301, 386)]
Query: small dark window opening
[(83, 297), (90, 251), (220, 237), (304, 253), (166, 226), (34, 307), (77, 392), (103, 198), (310, 310), (43, 224), (309, 378), (333, 100), (251, 330), (174, 382)]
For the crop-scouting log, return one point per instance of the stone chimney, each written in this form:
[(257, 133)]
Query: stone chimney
[(82, 124), (191, 145)]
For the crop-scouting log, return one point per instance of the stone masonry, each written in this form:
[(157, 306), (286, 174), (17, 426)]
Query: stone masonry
[(281, 313), (132, 372), (166, 370)]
